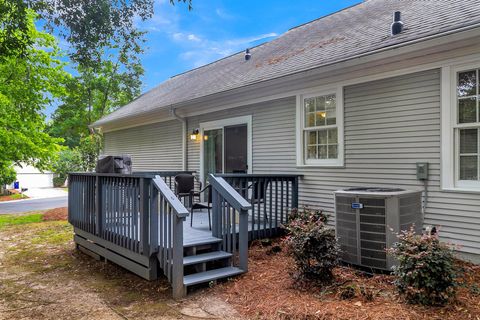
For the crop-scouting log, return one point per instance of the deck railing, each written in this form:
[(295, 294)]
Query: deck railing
[(135, 215), (229, 208), (272, 197), (166, 229)]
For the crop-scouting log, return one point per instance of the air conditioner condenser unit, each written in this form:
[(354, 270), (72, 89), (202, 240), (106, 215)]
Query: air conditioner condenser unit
[(367, 221)]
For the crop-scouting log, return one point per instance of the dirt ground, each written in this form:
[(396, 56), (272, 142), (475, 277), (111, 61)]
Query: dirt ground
[(43, 276), (268, 291)]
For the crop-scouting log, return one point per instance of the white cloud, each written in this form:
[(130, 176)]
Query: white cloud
[(199, 48), (208, 51), (193, 37), (223, 14)]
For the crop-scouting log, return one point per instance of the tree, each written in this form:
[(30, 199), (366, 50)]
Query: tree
[(69, 160), (28, 83), (14, 28)]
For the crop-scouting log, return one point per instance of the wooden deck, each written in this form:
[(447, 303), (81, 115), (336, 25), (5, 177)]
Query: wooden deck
[(136, 221), (199, 231)]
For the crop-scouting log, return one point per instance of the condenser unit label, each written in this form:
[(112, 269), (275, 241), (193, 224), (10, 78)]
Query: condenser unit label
[(357, 205)]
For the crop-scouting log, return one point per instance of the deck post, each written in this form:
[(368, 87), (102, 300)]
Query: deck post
[(295, 193), (215, 213), (178, 287), (98, 205), (144, 245), (243, 240), (153, 219)]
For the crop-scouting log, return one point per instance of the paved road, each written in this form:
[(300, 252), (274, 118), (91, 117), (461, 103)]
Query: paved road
[(32, 204)]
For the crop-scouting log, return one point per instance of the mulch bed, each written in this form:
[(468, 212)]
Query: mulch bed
[(55, 214), (268, 291), (13, 196)]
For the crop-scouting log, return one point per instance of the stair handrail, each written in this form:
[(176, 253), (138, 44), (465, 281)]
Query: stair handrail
[(229, 193), (224, 192), (170, 256), (176, 204)]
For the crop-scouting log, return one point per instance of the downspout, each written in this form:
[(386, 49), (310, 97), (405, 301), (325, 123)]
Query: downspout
[(184, 137)]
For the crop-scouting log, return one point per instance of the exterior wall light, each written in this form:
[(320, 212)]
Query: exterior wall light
[(194, 135)]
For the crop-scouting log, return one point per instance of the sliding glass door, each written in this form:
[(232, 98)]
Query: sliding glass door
[(225, 150), (212, 152)]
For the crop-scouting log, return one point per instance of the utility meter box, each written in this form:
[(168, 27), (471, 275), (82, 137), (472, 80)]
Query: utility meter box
[(422, 170)]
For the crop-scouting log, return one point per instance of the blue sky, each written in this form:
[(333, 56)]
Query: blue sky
[(179, 40)]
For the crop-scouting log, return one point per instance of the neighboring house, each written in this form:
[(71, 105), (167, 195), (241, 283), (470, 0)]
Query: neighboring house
[(339, 100), (30, 177)]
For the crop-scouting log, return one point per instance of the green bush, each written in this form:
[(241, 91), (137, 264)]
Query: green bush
[(69, 160), (426, 272), (312, 244), (58, 181)]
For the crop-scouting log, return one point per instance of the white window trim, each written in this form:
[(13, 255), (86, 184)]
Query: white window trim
[(300, 122), (450, 140), (219, 124)]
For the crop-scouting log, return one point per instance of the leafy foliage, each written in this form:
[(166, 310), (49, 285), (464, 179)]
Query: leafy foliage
[(90, 147), (7, 173), (14, 28), (27, 85), (69, 160), (426, 272), (312, 244), (93, 94)]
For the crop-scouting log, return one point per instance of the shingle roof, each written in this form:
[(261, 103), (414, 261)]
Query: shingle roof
[(357, 30)]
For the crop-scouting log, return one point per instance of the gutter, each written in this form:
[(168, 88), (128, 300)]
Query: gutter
[(184, 137)]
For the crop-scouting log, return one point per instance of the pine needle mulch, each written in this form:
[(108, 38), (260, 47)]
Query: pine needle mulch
[(57, 214), (268, 291)]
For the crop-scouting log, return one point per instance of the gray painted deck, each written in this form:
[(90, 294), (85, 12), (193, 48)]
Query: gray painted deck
[(196, 234)]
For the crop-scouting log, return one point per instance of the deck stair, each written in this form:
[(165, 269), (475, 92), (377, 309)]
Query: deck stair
[(204, 262)]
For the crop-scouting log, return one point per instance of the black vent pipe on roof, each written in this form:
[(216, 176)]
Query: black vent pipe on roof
[(247, 54), (397, 25)]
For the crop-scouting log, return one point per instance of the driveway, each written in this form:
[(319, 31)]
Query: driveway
[(32, 204), (41, 193)]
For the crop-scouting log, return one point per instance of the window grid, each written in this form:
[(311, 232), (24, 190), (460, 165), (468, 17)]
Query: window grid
[(320, 127), (468, 125), (329, 145)]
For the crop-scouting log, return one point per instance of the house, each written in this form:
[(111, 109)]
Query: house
[(29, 177), (340, 101)]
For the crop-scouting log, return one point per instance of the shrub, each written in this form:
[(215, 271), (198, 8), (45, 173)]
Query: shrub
[(69, 160), (426, 272), (58, 181), (312, 244)]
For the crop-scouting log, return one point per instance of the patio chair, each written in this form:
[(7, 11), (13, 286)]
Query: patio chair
[(203, 205), (259, 190), (258, 195), (185, 187)]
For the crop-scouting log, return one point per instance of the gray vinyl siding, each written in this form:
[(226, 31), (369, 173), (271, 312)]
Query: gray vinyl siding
[(389, 126), (273, 135), (155, 146)]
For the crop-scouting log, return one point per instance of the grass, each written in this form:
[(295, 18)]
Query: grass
[(16, 219), (15, 196)]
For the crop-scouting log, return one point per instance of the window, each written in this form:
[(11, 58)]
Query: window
[(460, 162), (321, 135), (467, 128)]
